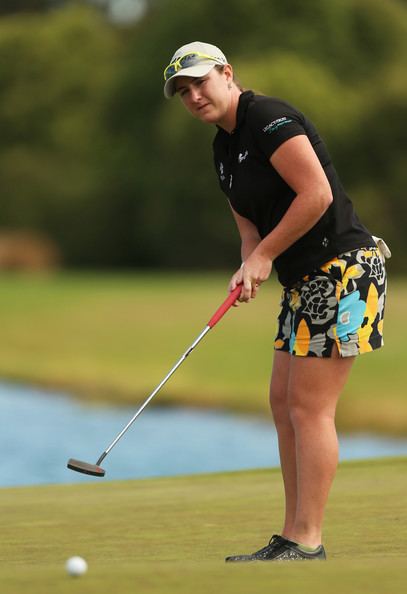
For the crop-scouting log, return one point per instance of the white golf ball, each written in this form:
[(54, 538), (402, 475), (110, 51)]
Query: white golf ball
[(76, 566)]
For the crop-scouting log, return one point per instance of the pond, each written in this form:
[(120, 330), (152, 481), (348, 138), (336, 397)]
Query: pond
[(40, 431)]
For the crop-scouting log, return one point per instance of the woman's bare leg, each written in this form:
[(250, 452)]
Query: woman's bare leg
[(286, 435), (314, 386)]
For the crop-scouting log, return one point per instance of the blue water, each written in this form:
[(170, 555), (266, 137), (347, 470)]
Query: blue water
[(40, 431)]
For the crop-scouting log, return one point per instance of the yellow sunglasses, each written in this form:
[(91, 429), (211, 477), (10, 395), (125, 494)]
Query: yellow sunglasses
[(186, 61)]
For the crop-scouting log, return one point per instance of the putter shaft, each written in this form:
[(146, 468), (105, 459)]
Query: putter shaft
[(153, 393), (220, 312)]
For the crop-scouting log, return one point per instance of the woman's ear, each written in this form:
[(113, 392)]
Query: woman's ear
[(228, 72)]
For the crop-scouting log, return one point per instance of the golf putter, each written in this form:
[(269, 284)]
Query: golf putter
[(96, 469)]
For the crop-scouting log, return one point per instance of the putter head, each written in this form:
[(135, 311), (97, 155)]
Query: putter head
[(85, 467)]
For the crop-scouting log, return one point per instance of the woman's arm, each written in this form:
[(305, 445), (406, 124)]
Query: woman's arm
[(248, 232), (297, 163), (250, 239)]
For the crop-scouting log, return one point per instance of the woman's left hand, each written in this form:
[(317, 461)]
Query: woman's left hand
[(256, 269)]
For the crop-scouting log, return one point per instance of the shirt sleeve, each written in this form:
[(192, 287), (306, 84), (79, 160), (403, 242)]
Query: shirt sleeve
[(272, 122)]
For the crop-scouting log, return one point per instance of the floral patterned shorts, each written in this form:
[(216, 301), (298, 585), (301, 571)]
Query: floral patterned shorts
[(341, 303)]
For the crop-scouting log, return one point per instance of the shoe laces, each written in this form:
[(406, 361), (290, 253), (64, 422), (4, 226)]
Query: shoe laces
[(274, 541)]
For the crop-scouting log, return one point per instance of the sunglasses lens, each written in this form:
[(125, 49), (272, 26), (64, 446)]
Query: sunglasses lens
[(170, 71), (189, 60)]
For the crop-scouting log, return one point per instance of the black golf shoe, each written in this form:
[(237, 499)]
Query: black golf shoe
[(263, 554), (281, 549)]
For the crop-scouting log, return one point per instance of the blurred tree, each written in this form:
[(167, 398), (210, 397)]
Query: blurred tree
[(54, 85), (91, 153), (15, 6)]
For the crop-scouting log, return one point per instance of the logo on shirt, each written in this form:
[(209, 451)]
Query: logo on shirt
[(242, 156), (221, 172), (276, 124)]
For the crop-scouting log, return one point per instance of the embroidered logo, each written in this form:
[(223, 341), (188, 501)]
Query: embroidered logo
[(242, 156), (276, 124), (221, 172), (325, 242)]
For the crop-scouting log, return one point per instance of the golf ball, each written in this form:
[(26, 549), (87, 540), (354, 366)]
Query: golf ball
[(76, 566)]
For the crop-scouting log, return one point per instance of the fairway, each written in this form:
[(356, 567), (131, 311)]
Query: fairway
[(114, 337), (167, 536)]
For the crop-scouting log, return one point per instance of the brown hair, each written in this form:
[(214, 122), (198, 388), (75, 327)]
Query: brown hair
[(237, 82)]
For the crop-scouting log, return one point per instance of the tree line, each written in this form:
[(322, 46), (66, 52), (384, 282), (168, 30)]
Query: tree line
[(92, 155)]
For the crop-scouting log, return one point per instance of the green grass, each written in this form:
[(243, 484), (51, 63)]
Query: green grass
[(171, 535), (114, 337)]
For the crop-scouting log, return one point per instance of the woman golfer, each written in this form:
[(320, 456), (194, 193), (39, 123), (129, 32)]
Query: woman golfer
[(292, 213)]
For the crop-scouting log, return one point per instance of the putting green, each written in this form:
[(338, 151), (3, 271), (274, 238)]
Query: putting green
[(171, 535)]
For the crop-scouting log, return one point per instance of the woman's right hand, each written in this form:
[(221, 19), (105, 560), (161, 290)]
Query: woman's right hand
[(237, 279)]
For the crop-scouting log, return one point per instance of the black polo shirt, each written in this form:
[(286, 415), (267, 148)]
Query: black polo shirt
[(256, 191)]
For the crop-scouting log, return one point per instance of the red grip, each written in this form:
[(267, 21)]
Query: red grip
[(226, 305)]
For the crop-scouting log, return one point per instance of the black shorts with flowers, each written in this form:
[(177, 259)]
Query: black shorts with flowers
[(341, 303)]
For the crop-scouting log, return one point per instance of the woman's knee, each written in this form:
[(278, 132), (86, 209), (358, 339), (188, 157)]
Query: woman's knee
[(298, 414), (279, 403), (303, 410)]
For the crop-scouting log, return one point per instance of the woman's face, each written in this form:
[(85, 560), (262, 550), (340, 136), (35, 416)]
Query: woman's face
[(207, 98)]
